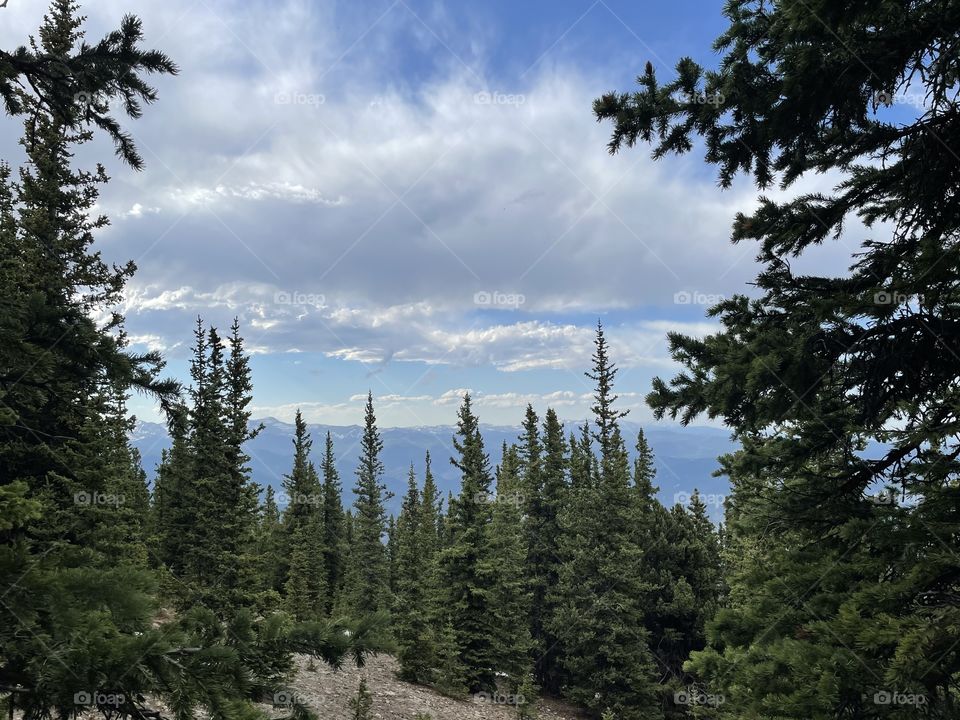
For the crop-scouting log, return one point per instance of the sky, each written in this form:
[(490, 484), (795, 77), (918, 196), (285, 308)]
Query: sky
[(413, 198)]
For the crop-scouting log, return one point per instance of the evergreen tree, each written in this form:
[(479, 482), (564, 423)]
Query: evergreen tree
[(79, 612), (412, 628), (306, 591), (392, 554), (582, 460), (305, 574), (174, 499), (219, 524), (431, 528), (600, 615), (268, 550), (302, 486), (510, 597), (468, 572), (835, 386), (369, 590), (544, 552), (334, 539)]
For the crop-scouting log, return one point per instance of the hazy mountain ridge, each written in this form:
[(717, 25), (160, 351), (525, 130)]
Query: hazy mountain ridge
[(685, 457)]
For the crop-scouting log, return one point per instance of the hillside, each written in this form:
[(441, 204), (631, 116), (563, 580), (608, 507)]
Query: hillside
[(327, 692)]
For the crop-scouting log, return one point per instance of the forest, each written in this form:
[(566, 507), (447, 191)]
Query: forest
[(831, 589)]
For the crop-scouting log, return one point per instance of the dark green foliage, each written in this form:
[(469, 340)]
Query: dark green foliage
[(468, 573), (334, 539), (836, 386), (306, 591), (206, 504), (268, 550), (303, 532), (543, 532), (75, 82), (600, 613), (80, 615), (413, 629), (361, 706), (304, 496), (392, 554), (510, 598), (368, 588)]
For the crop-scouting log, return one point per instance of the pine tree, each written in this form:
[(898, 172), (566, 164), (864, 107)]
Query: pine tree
[(334, 539), (430, 529), (510, 597), (835, 386), (600, 614), (467, 568), (368, 590), (392, 554), (305, 575), (174, 502), (412, 627), (242, 493), (78, 611), (218, 526), (361, 706), (305, 588), (268, 550), (302, 486), (544, 554)]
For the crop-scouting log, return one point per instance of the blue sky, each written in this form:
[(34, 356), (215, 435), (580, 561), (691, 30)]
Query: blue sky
[(413, 197)]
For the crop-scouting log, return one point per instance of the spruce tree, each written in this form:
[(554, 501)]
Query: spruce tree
[(600, 615), (836, 386), (334, 539), (304, 574), (392, 553), (510, 597), (269, 547), (79, 615), (468, 573), (544, 558), (305, 588), (368, 582), (412, 628)]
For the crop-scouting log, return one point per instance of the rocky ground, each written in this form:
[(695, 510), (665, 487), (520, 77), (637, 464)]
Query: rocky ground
[(328, 693)]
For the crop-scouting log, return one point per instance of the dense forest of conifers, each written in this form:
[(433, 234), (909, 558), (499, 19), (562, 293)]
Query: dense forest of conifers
[(832, 592), (558, 570)]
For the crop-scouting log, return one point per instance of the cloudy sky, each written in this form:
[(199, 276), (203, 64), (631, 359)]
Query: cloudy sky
[(413, 197)]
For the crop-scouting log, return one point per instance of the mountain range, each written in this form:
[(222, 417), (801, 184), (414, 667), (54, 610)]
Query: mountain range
[(686, 458)]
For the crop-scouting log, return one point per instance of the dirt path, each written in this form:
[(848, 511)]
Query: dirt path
[(328, 692)]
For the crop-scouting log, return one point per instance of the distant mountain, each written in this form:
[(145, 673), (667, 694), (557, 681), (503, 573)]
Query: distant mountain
[(685, 457)]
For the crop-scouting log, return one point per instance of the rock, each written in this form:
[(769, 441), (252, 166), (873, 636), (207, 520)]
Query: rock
[(328, 692)]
